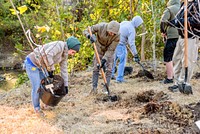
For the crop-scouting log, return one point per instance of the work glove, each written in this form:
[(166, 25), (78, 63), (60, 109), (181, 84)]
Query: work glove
[(103, 61), (92, 38), (66, 89), (136, 58), (50, 74)]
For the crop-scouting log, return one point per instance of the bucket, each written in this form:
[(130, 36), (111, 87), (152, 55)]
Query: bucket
[(58, 88)]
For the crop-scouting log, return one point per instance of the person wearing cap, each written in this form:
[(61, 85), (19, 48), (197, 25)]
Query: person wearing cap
[(45, 57), (106, 40), (127, 35)]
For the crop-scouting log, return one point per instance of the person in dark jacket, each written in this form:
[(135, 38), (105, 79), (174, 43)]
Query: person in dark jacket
[(170, 36), (193, 44)]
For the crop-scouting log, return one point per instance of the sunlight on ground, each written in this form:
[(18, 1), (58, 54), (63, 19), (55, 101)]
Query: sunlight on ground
[(23, 120)]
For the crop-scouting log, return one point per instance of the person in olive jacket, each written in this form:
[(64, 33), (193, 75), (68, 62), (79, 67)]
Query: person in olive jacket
[(44, 58), (170, 35), (106, 39)]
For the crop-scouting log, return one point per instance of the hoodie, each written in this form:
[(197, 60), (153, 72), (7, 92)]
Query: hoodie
[(169, 14), (127, 32)]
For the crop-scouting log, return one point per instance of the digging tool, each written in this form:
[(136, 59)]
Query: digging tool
[(99, 62), (109, 97), (146, 73), (184, 87)]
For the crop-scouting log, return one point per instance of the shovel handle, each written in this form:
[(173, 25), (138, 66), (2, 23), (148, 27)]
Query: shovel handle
[(99, 62)]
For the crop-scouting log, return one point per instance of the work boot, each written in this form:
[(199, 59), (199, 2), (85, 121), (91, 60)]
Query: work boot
[(167, 81), (93, 91), (173, 88)]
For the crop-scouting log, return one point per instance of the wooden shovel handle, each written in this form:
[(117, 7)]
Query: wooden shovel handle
[(98, 59), (186, 34)]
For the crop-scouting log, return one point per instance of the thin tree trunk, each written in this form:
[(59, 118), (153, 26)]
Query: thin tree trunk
[(131, 8), (154, 38), (143, 43), (61, 26)]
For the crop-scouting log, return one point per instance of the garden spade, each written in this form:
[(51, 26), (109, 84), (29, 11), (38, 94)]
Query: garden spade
[(113, 97), (99, 62), (146, 73), (184, 87)]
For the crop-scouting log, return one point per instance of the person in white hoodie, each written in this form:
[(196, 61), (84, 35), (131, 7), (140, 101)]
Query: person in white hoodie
[(127, 35)]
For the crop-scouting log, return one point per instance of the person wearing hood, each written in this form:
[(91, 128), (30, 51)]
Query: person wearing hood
[(127, 35), (106, 37), (170, 36), (193, 18), (43, 59)]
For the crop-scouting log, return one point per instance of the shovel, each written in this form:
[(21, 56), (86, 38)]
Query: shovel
[(184, 87), (146, 73), (99, 62), (109, 97)]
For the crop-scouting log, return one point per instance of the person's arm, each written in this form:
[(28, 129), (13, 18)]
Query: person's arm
[(131, 42), (164, 21), (63, 70), (94, 29)]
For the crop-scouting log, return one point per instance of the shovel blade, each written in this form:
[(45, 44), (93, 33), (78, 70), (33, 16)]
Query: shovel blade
[(148, 74), (185, 88)]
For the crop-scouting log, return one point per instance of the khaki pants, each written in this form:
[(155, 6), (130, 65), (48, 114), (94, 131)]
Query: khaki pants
[(179, 59)]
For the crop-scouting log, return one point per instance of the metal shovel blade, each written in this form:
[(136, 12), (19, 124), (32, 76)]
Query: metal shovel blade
[(148, 74), (185, 88)]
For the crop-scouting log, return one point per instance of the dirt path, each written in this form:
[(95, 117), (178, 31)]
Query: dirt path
[(144, 106)]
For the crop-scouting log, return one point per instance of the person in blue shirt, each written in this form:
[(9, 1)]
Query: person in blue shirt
[(127, 35)]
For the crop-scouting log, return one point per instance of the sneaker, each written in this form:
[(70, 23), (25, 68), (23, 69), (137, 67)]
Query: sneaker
[(40, 113), (167, 81), (117, 81), (173, 88)]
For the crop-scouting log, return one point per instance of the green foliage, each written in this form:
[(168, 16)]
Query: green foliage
[(65, 20), (22, 78)]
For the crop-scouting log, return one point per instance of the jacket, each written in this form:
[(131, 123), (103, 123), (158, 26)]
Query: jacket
[(50, 54), (169, 14), (105, 43), (127, 32), (193, 20)]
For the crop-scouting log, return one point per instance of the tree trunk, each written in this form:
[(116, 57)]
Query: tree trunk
[(143, 43)]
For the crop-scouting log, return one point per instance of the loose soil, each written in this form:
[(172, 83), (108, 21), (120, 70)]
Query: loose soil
[(141, 106)]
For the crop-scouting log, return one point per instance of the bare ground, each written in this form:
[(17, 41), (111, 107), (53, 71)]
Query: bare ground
[(143, 106)]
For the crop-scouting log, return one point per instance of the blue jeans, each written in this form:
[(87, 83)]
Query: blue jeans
[(35, 75), (121, 54)]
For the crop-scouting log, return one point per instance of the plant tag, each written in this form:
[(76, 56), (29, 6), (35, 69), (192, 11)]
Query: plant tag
[(50, 86)]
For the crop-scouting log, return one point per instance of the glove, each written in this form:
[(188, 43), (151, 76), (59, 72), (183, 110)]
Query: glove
[(66, 89), (50, 74), (92, 38), (103, 61), (136, 58)]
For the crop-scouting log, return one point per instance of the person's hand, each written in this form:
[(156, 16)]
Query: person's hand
[(103, 61), (66, 89), (50, 74), (136, 58), (92, 38)]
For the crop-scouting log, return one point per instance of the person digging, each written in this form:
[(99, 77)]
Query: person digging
[(107, 39), (48, 55)]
